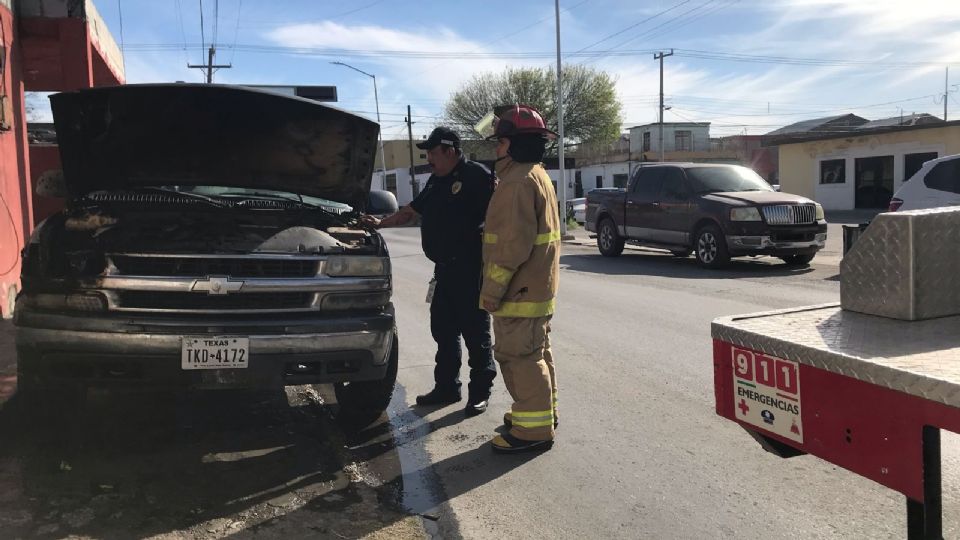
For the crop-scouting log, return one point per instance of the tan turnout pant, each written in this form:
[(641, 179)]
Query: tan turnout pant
[(522, 348)]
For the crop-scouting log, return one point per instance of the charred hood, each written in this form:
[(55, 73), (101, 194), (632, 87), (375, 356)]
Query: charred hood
[(134, 136)]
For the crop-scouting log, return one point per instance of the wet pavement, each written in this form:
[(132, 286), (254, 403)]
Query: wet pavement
[(211, 465)]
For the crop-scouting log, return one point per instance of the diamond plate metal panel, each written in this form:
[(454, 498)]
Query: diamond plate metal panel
[(905, 266), (920, 358)]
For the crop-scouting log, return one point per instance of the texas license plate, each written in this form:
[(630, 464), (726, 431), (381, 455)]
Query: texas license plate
[(215, 352)]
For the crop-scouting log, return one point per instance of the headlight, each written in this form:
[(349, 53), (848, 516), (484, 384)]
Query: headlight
[(344, 301), (820, 214), (87, 302), (348, 266), (748, 213)]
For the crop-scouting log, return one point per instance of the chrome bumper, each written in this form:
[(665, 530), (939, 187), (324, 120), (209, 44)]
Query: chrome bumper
[(758, 243)]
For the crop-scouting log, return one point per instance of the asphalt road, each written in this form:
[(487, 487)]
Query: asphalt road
[(640, 452)]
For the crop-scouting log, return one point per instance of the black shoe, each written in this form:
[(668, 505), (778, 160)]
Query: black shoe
[(438, 397), (475, 408), (508, 444)]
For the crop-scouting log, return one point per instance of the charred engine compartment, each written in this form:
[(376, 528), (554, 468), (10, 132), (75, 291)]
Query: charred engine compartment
[(79, 242)]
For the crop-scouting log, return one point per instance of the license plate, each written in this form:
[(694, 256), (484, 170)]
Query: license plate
[(215, 352)]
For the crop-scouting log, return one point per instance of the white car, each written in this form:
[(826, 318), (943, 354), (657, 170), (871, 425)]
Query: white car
[(578, 209), (936, 184)]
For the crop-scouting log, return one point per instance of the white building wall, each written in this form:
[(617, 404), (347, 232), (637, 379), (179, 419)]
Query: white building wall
[(700, 135), (404, 191), (843, 196)]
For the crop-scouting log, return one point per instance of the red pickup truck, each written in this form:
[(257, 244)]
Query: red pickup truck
[(716, 211)]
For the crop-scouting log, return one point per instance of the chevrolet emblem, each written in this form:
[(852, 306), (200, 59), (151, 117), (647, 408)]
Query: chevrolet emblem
[(216, 285)]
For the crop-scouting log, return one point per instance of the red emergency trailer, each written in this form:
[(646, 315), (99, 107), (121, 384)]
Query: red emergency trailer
[(866, 384)]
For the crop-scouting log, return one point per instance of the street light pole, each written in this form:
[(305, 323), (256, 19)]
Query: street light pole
[(376, 98)]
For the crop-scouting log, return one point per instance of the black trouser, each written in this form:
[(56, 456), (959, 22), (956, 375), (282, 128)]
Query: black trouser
[(454, 312)]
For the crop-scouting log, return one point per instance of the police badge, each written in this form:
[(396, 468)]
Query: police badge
[(455, 188)]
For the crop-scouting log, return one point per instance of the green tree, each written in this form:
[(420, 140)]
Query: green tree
[(591, 110)]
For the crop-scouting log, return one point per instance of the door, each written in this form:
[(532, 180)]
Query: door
[(676, 208), (642, 204), (873, 181)]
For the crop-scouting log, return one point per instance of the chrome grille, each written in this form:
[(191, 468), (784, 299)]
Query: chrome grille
[(790, 214), (188, 301), (238, 267)]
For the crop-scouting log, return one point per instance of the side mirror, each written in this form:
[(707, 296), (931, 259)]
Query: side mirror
[(381, 203), (52, 184)]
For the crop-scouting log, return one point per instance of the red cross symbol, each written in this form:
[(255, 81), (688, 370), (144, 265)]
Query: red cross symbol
[(743, 407)]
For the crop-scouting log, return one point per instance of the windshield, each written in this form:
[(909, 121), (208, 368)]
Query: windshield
[(725, 179)]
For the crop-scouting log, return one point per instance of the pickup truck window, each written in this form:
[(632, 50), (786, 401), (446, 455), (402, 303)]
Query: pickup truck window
[(725, 180), (648, 182), (674, 187)]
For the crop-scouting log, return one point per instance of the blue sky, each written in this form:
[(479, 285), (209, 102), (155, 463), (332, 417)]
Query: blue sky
[(900, 49)]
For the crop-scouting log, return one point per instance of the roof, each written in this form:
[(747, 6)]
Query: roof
[(857, 132), (828, 123), (908, 120), (674, 124)]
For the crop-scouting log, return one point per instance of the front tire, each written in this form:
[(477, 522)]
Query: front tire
[(710, 248), (361, 403), (609, 241)]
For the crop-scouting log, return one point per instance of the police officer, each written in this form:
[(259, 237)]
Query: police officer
[(452, 207)]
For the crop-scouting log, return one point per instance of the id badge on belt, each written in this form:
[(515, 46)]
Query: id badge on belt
[(430, 290)]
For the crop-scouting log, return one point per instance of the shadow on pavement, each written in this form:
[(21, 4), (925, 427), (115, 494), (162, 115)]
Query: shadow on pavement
[(214, 464), (649, 263)]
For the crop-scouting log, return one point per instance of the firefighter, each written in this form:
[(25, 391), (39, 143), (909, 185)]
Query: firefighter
[(452, 207), (521, 256)]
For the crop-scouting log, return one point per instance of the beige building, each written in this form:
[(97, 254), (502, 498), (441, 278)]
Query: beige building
[(861, 167)]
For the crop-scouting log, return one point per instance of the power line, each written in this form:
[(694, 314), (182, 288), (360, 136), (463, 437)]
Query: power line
[(456, 55), (236, 31), (123, 57), (203, 39), (505, 36), (632, 26), (183, 33)]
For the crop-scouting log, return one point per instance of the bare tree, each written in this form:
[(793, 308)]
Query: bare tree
[(591, 109)]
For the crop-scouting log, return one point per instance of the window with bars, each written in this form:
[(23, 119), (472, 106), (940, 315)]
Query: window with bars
[(683, 141)]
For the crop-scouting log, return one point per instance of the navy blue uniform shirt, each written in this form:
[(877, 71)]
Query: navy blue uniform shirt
[(452, 209)]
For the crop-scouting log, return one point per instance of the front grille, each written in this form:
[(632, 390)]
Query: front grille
[(214, 266), (790, 214), (187, 301)]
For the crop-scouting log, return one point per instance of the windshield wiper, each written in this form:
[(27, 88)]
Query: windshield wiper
[(277, 196), (210, 200)]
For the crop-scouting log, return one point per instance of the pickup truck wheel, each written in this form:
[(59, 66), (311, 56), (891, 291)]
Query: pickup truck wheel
[(798, 260), (608, 239), (711, 247), (362, 403)]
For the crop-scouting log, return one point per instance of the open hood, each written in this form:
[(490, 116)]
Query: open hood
[(134, 136)]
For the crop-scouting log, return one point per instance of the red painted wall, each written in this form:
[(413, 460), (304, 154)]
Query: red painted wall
[(43, 158), (15, 205)]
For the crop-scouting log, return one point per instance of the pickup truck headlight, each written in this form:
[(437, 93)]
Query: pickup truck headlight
[(86, 302), (820, 214), (748, 213), (357, 266)]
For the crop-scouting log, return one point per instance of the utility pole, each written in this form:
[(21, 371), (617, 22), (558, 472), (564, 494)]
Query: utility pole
[(210, 66), (414, 188), (562, 184), (660, 56), (946, 93)]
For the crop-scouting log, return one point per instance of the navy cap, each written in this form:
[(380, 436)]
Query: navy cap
[(440, 135)]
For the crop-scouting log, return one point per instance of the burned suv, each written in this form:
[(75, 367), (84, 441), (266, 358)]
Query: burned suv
[(210, 240)]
